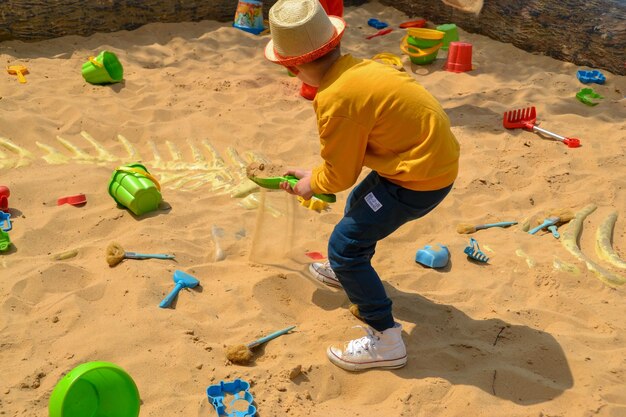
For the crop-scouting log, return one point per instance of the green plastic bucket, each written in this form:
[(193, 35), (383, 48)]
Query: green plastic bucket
[(424, 38), (95, 389), (451, 34), (103, 69), (424, 60), (417, 55), (133, 187)]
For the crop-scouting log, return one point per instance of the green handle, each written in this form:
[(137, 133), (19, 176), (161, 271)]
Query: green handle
[(329, 198)]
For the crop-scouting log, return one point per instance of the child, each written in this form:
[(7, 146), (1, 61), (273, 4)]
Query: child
[(371, 115), (334, 8)]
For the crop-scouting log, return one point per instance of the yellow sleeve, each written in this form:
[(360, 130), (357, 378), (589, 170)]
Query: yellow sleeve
[(343, 143)]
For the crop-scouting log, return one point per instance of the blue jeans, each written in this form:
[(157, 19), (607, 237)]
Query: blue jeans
[(375, 209)]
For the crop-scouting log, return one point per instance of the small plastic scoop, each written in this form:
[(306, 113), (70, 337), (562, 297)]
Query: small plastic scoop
[(18, 70), (273, 183), (74, 200), (182, 280)]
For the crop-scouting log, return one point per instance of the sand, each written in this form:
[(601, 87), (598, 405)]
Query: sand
[(532, 333)]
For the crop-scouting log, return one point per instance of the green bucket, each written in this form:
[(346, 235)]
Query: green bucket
[(422, 43), (417, 55), (103, 69), (424, 38), (95, 389), (133, 187), (451, 34), (424, 60)]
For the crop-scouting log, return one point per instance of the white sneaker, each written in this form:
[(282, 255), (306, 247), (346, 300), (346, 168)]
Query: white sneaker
[(375, 350), (324, 273)]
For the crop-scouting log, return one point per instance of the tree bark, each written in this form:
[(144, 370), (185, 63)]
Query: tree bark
[(585, 32), (31, 20)]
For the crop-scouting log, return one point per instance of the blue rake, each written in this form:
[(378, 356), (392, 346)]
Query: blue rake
[(473, 251)]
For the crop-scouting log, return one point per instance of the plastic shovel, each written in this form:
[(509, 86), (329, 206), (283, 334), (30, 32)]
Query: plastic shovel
[(525, 119), (18, 70), (273, 183), (380, 33), (182, 280), (74, 200)]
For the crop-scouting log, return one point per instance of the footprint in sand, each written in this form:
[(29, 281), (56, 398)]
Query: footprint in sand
[(57, 281)]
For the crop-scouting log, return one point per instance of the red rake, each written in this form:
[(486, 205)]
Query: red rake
[(525, 119)]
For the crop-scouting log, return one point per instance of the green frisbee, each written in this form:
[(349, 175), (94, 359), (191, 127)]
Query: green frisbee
[(95, 389)]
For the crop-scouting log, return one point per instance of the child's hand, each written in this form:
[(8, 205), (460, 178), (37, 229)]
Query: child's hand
[(302, 187)]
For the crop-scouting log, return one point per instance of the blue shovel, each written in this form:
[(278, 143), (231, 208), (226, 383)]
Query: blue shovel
[(182, 280)]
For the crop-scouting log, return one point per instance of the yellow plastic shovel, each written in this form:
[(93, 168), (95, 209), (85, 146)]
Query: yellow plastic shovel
[(18, 70)]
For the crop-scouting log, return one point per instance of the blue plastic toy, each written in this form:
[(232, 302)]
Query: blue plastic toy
[(5, 221), (182, 280), (473, 251), (434, 258), (555, 231), (375, 23), (241, 403), (593, 76)]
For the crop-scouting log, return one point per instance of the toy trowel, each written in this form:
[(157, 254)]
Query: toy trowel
[(273, 183), (182, 280)]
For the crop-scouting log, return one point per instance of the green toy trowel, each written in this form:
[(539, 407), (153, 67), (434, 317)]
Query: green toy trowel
[(273, 183)]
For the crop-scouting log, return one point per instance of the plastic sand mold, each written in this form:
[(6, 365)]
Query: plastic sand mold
[(5, 242), (241, 403), (377, 24), (587, 77), (434, 258), (5, 221), (587, 96)]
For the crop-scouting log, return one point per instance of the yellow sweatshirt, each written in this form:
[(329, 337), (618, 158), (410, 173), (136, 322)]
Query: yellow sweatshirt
[(370, 114)]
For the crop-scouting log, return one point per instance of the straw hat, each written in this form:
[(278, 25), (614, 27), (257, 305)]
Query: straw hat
[(301, 32)]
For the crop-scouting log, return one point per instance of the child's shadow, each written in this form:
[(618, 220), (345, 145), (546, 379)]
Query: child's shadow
[(513, 362)]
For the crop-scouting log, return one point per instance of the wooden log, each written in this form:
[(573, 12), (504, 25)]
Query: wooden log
[(31, 20), (586, 32), (42, 19)]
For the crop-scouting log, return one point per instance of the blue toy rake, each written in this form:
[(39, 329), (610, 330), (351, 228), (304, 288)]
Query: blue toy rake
[(473, 251)]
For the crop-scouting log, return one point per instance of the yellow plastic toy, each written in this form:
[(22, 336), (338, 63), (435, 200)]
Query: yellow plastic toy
[(389, 59), (18, 70), (313, 204)]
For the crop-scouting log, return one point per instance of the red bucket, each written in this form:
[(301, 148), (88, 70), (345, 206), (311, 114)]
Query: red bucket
[(459, 57)]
